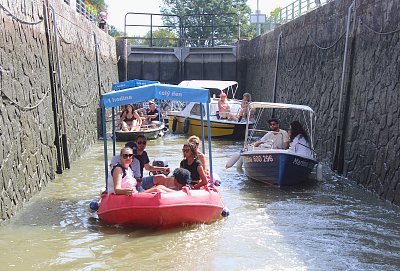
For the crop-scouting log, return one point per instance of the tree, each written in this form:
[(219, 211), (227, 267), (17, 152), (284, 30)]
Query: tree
[(161, 38), (217, 24)]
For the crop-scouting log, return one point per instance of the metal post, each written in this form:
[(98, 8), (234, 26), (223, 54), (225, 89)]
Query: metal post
[(258, 18), (338, 155), (276, 71), (53, 87), (99, 124), (64, 130)]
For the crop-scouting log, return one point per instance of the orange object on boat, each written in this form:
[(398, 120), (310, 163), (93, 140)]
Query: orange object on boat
[(161, 210)]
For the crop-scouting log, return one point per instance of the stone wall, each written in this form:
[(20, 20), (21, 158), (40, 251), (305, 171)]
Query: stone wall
[(31, 101), (311, 56)]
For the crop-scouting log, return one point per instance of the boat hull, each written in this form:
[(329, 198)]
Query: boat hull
[(161, 210), (149, 133), (220, 128), (277, 167)]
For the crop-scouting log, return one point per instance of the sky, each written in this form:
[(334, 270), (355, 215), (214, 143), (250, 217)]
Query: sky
[(118, 8)]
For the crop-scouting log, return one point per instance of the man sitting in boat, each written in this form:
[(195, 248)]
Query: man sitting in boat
[(223, 106), (143, 157), (130, 120), (276, 138), (121, 180), (299, 139), (192, 163), (151, 114)]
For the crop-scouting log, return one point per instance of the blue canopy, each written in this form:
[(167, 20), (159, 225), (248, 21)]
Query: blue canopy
[(135, 91), (132, 84), (154, 91)]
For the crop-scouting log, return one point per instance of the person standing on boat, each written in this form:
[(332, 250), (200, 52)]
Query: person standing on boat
[(223, 106), (130, 120), (276, 138), (299, 139), (122, 182), (192, 163), (142, 156)]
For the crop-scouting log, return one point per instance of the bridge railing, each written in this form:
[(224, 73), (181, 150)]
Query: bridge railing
[(293, 11)]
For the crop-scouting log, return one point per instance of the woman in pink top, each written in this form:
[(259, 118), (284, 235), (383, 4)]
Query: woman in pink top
[(223, 106)]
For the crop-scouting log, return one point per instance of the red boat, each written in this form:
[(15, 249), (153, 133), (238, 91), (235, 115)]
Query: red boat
[(161, 210)]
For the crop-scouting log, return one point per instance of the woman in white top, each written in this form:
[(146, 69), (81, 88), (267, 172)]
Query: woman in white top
[(122, 182), (300, 141)]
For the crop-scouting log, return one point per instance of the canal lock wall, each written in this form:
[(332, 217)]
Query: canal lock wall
[(349, 74), (47, 111)]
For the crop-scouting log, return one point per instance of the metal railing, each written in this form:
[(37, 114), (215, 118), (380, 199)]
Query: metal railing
[(293, 11), (82, 9), (193, 30)]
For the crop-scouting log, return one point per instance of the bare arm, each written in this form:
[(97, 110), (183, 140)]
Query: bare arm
[(203, 178), (117, 179)]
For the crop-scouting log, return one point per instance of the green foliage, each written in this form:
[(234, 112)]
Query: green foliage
[(275, 12), (162, 38), (200, 30), (99, 4)]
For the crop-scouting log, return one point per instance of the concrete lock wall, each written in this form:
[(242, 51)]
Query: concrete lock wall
[(35, 107), (356, 97)]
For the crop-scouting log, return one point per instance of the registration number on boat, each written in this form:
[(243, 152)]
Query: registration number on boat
[(259, 159)]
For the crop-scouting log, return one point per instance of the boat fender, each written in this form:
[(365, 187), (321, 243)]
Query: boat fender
[(93, 206), (174, 124), (186, 126), (319, 172), (225, 212)]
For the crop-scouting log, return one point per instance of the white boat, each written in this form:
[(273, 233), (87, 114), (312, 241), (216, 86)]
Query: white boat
[(280, 167), (187, 120)]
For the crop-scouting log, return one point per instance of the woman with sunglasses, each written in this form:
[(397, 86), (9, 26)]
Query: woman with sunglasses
[(192, 163), (122, 181), (130, 120)]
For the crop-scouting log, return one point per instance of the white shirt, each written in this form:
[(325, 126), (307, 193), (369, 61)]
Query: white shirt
[(301, 146), (276, 138), (135, 165)]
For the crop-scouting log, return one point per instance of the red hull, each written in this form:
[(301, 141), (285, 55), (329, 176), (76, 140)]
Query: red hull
[(161, 210)]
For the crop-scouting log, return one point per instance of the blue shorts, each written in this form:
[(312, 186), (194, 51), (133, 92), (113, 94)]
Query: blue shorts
[(147, 182)]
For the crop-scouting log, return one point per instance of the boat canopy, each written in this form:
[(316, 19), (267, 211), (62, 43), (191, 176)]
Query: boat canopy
[(280, 106), (215, 84), (154, 91), (135, 91), (306, 110), (132, 84)]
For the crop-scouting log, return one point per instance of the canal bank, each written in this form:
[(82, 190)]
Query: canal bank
[(54, 63)]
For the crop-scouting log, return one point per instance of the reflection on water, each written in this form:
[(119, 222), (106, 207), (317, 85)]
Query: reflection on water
[(330, 225)]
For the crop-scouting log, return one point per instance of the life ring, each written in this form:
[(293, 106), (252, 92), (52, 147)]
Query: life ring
[(186, 126), (174, 124)]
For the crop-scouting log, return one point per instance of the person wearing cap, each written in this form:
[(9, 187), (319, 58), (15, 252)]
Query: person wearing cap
[(223, 106), (180, 178), (276, 138), (151, 113)]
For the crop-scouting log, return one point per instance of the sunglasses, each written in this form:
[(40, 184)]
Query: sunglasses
[(141, 142), (127, 155), (186, 150)]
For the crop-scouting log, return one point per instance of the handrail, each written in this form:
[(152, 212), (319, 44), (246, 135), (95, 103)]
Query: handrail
[(292, 11)]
